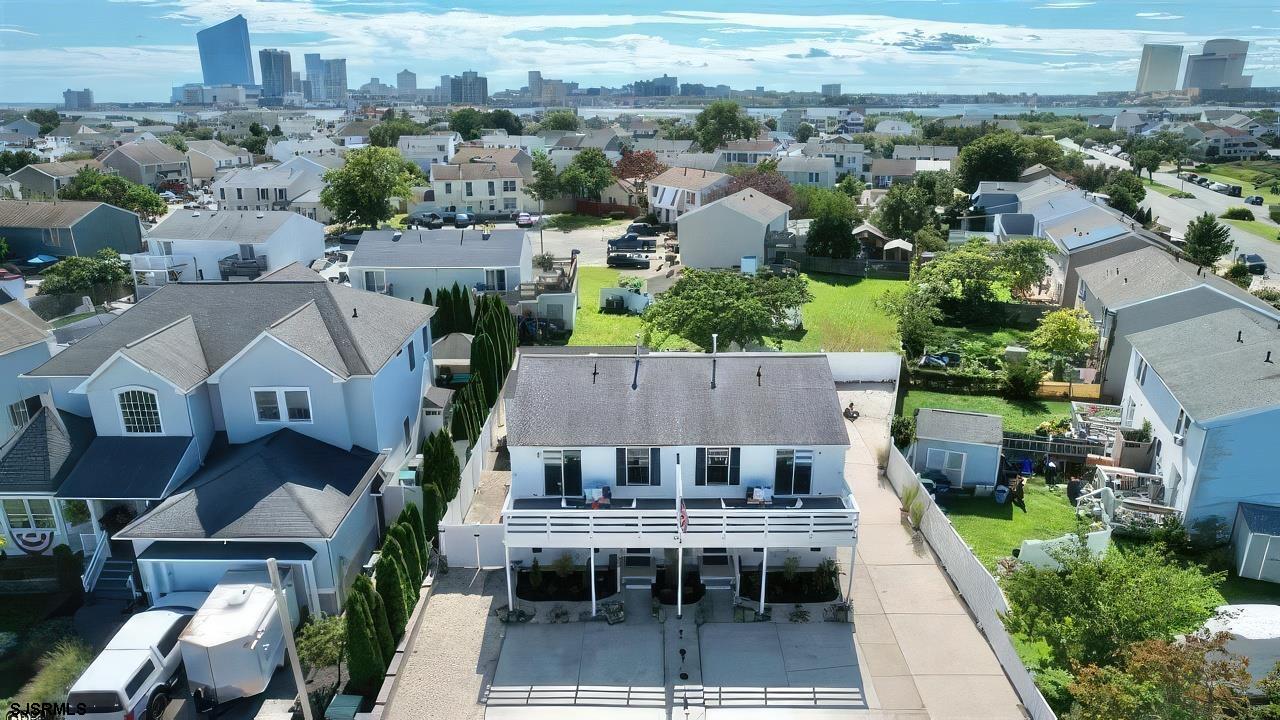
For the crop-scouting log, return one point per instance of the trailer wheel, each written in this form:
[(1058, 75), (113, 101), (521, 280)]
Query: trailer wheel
[(158, 704)]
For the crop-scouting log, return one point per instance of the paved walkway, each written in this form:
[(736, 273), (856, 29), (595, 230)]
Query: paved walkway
[(921, 651)]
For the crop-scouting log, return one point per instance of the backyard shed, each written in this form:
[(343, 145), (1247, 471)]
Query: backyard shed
[(1256, 539), (963, 446)]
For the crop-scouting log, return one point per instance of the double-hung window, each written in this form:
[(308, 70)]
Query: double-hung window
[(508, 186), (375, 281), (639, 466), (20, 412), (29, 514), (717, 466), (793, 472), (139, 412), (491, 187), (562, 472), (466, 189), (272, 405)]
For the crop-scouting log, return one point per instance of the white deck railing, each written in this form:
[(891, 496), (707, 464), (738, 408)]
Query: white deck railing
[(98, 545)]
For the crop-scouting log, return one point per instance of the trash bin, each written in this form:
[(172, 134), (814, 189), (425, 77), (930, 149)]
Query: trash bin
[(1002, 494)]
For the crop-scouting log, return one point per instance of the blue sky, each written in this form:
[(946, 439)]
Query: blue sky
[(137, 49)]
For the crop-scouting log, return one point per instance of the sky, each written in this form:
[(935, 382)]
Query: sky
[(135, 50)]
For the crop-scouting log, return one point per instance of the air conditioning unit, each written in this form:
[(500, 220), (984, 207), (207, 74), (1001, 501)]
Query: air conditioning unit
[(1179, 440)]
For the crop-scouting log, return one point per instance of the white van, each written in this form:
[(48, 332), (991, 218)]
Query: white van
[(131, 679)]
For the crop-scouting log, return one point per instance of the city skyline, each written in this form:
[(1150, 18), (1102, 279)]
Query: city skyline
[(1039, 46)]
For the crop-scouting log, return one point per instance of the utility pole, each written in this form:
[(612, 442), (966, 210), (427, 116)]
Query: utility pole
[(282, 605)]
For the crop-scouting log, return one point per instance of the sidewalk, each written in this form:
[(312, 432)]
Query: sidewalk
[(920, 648)]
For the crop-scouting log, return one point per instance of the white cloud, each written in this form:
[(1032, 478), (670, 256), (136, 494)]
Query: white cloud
[(1063, 5), (1158, 16)]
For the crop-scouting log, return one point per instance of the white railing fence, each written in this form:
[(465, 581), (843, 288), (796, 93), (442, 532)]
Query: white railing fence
[(458, 507), (100, 549), (978, 588)]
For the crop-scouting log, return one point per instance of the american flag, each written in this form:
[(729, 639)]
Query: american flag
[(684, 517)]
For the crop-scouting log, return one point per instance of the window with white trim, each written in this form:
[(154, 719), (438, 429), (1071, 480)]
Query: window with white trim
[(273, 405), (139, 412), (29, 514), (508, 186), (375, 280)]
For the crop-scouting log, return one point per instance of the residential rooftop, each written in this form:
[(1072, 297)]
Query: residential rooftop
[(242, 226), (749, 202), (688, 178), (439, 248), (959, 426), (44, 214), (1148, 273)]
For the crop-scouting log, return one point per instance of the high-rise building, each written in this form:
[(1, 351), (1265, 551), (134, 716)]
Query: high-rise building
[(335, 80), (831, 90), (469, 88), (296, 84), (277, 73), (535, 85), (225, 57), (446, 88), (1159, 69), (1220, 65), (314, 68), (77, 99), (406, 83), (657, 87)]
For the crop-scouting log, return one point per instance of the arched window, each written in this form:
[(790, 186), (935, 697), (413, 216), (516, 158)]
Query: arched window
[(139, 412)]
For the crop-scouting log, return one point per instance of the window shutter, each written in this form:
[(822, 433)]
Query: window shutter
[(655, 466), (700, 469), (621, 454), (734, 458)]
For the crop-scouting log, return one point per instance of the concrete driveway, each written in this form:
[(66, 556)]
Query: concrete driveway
[(746, 661), (592, 242)]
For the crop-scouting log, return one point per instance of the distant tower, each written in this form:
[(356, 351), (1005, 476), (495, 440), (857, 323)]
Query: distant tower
[(225, 57), (277, 73), (1221, 65), (406, 83), (1159, 69)]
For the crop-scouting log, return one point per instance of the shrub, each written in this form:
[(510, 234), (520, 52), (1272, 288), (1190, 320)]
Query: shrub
[(432, 511), (389, 583), (413, 517), (1274, 212), (59, 668), (544, 261), (410, 551), (1021, 380), (563, 565), (75, 512), (365, 663), (535, 574), (391, 549), (1238, 273), (67, 569), (377, 613), (1181, 195), (321, 641), (1237, 213), (903, 430)]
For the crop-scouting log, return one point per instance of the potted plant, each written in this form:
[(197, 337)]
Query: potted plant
[(909, 497)]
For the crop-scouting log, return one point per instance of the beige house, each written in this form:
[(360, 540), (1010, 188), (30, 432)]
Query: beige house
[(210, 159)]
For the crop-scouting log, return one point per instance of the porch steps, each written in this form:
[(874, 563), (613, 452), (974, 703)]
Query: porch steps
[(113, 582)]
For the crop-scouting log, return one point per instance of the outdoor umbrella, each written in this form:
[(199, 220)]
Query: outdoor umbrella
[(42, 260)]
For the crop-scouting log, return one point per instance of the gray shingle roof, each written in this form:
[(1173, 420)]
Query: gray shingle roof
[(959, 426), (228, 316), (476, 171), (215, 149), (284, 485), (688, 178), (1150, 272), (439, 248), (19, 327), (667, 400), (135, 468), (749, 202), (43, 453), (1209, 371), (35, 214), (150, 152), (236, 226), (64, 169)]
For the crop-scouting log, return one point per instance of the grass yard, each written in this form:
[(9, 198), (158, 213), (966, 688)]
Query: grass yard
[(843, 316), (991, 340), (1257, 227), (1245, 174), (994, 530), (68, 319), (568, 222), (592, 327), (1158, 187), (1019, 415)]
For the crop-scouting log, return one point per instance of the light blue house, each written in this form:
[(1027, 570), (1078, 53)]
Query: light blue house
[(963, 446), (1210, 388), (232, 422)]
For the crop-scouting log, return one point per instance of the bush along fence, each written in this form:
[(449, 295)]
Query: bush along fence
[(979, 589)]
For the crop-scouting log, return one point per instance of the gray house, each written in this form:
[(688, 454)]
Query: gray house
[(963, 446), (67, 227), (1149, 288), (44, 180), (149, 162)]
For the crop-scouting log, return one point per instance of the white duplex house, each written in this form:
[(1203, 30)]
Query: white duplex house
[(427, 150), (292, 185), (229, 423), (713, 464), (194, 245), (486, 189), (679, 190), (1209, 387)]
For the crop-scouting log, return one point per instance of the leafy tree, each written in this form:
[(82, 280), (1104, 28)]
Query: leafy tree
[(741, 308), (1122, 200), (1064, 335), (1043, 150), (503, 119), (676, 129), (771, 123), (997, 156), (928, 239), (804, 132), (175, 141), (639, 168), (833, 216), (47, 119), (1161, 680), (377, 614), (90, 183), (589, 173), (1091, 609), (467, 122), (1148, 160), (365, 663), (256, 144), (962, 279), (484, 365), (11, 161), (720, 122), (903, 211), (387, 133), (1207, 240), (390, 584), (565, 120), (917, 313), (938, 186), (851, 185), (78, 275), (257, 130), (322, 642), (763, 177), (546, 182), (1025, 261), (411, 551), (1125, 190), (360, 191)]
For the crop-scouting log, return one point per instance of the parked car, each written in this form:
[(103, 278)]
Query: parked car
[(461, 220), (1254, 262), (429, 220), (1253, 200), (642, 229), (524, 220), (1234, 190), (1202, 181), (1218, 187), (627, 260), (132, 678), (632, 242)]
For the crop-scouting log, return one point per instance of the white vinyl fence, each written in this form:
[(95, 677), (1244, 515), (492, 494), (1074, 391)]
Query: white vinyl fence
[(976, 585), (457, 508), (473, 546)]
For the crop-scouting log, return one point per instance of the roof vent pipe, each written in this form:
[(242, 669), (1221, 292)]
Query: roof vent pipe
[(355, 313), (1239, 336), (1267, 359)]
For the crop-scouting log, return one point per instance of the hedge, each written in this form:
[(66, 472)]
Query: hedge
[(955, 382)]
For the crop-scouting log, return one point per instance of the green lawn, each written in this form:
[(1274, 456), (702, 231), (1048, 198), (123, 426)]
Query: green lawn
[(976, 342), (843, 316), (994, 530), (1244, 174), (1257, 227), (592, 327), (68, 319), (573, 221), (1019, 415), (1158, 187)]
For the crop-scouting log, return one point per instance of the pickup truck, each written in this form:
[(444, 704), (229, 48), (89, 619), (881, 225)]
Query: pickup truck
[(632, 242)]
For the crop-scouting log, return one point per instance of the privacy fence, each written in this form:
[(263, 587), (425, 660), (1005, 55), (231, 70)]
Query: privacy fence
[(978, 588)]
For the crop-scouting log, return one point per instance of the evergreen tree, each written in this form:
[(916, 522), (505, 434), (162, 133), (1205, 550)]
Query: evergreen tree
[(389, 581), (411, 551), (413, 517), (364, 658), (459, 310), (408, 588), (449, 472), (484, 365), (432, 511), (377, 613), (458, 420)]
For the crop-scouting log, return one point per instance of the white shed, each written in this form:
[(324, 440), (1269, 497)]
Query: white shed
[(1256, 539)]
